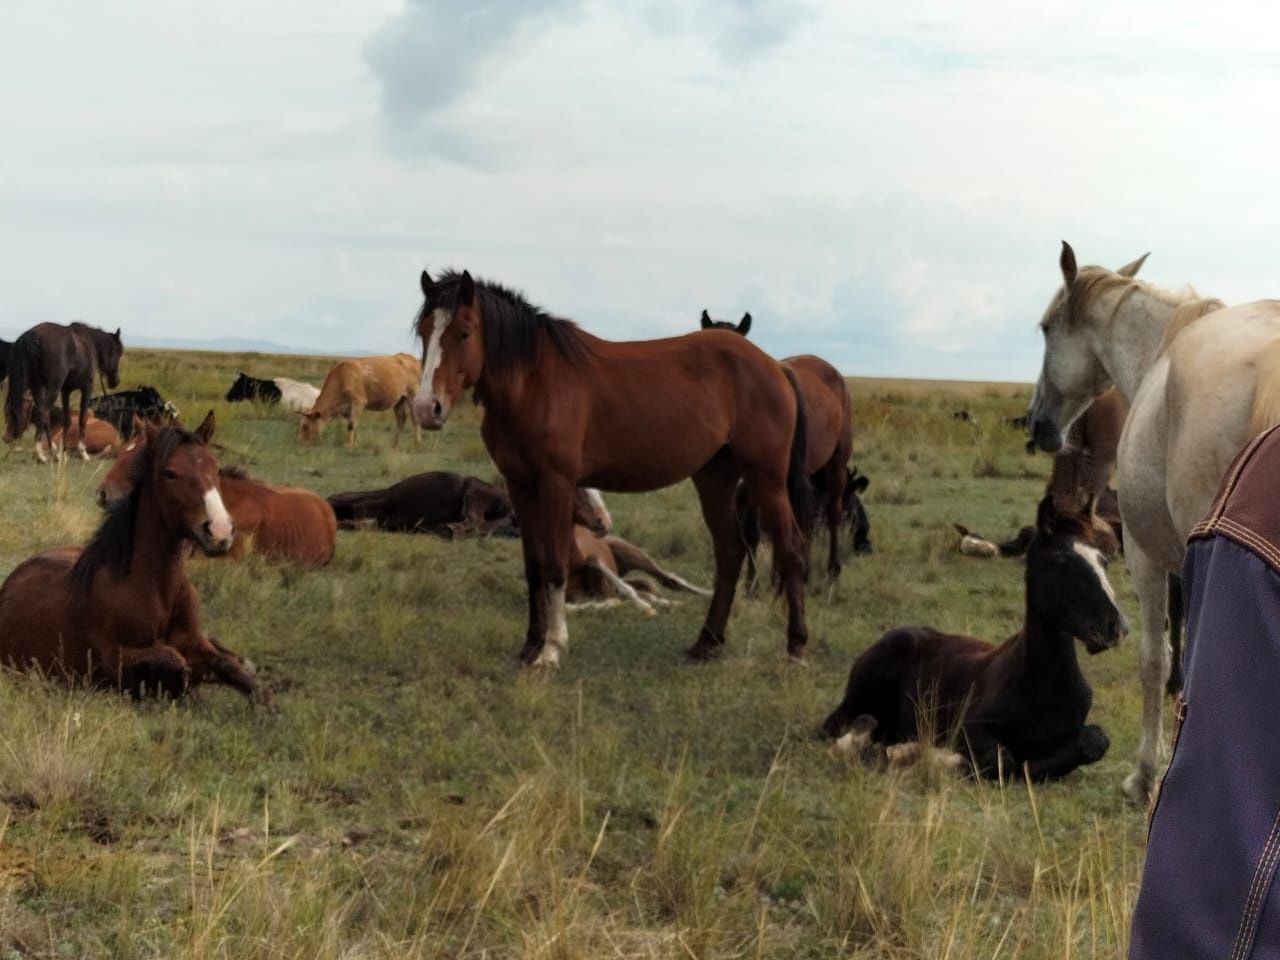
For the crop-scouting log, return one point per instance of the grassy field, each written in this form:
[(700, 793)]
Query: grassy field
[(417, 796)]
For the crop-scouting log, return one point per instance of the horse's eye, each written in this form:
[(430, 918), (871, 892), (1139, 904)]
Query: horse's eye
[(464, 334), (170, 474)]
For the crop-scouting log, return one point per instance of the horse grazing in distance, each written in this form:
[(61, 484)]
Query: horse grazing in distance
[(285, 524), (743, 326), (1201, 379), (51, 360), (1023, 702), (293, 395), (828, 444), (564, 409), (120, 612), (352, 386), (450, 505)]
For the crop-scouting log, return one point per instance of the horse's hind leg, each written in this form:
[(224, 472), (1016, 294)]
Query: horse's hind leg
[(788, 550), (1151, 582), (748, 519), (401, 411), (715, 484), (629, 557), (85, 396), (41, 400)]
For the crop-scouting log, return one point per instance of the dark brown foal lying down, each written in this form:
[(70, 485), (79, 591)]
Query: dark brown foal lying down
[(120, 612), (449, 505), (1023, 702)]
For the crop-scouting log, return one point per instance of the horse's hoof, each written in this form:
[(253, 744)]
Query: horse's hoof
[(796, 655), (1137, 788), (703, 652)]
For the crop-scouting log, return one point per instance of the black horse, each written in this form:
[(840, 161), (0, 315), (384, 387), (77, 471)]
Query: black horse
[(252, 388), (51, 360), (5, 347), (119, 409), (1022, 702)]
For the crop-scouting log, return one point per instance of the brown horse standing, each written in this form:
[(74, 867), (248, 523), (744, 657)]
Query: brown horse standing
[(286, 524), (830, 434), (121, 612), (564, 409)]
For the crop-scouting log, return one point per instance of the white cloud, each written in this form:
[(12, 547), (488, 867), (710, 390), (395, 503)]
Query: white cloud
[(886, 184)]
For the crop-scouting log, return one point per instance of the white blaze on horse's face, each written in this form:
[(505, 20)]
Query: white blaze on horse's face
[(218, 530), (430, 406), (597, 504), (1093, 557), (1070, 378)]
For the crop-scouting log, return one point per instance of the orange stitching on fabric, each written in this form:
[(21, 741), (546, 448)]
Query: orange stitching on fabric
[(1251, 539), (1250, 911)]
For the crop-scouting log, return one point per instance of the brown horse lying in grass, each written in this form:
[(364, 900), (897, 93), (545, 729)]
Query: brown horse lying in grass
[(449, 505), (1023, 702), (598, 575), (286, 524), (121, 612)]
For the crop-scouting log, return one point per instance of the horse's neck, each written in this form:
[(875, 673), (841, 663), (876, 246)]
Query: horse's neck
[(157, 552), (1131, 342), (1049, 655)]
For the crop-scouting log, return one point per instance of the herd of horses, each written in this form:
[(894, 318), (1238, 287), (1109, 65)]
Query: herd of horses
[(1132, 383)]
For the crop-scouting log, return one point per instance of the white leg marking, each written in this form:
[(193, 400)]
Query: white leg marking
[(557, 641), (628, 592), (597, 504), (221, 527)]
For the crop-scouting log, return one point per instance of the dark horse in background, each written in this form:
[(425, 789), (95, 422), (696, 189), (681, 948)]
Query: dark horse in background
[(564, 409), (51, 360), (5, 347), (829, 419), (1024, 701)]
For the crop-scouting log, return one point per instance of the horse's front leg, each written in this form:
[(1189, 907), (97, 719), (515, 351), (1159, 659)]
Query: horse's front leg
[(525, 503), (989, 757), (81, 447), (1087, 745), (555, 502)]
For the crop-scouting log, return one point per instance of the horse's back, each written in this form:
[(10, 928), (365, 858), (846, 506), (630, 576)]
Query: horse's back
[(1216, 386), (290, 524), (827, 408), (37, 609)]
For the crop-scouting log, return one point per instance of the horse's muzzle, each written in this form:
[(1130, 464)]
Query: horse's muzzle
[(212, 544), (1115, 630), (1046, 435), (430, 412)]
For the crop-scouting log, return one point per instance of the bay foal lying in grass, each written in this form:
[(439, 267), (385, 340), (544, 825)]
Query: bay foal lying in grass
[(121, 612), (1023, 702)]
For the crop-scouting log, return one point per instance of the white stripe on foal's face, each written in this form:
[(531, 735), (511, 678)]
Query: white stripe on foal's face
[(1093, 557), (221, 528), (424, 403), (597, 504)]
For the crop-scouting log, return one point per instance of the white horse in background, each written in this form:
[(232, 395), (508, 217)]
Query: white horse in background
[(1202, 380)]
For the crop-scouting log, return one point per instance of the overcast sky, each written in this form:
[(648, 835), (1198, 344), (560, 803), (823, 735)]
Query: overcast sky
[(884, 184)]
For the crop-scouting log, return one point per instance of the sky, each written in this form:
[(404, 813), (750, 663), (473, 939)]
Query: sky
[(883, 184)]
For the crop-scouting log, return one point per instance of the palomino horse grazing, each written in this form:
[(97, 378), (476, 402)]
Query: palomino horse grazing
[(286, 524), (352, 386), (1022, 702), (121, 612), (50, 359), (563, 409), (1201, 379), (830, 435)]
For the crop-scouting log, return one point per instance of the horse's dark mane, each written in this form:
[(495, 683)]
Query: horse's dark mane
[(513, 327), (236, 473), (112, 545)]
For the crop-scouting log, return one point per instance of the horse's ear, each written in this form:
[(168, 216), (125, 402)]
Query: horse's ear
[(466, 290), (426, 283), (744, 327), (1068, 264), (706, 320), (861, 482), (117, 333), (1047, 517), (1131, 269), (206, 428)]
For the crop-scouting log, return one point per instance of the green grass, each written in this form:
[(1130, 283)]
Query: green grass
[(417, 796)]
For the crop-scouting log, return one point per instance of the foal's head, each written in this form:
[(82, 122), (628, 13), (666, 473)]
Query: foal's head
[(1067, 583), (743, 326), (589, 511), (1073, 374)]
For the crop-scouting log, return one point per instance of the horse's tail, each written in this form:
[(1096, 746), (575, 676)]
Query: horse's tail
[(22, 362), (799, 489)]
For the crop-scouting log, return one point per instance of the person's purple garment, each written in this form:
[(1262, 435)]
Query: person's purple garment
[(1208, 886)]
